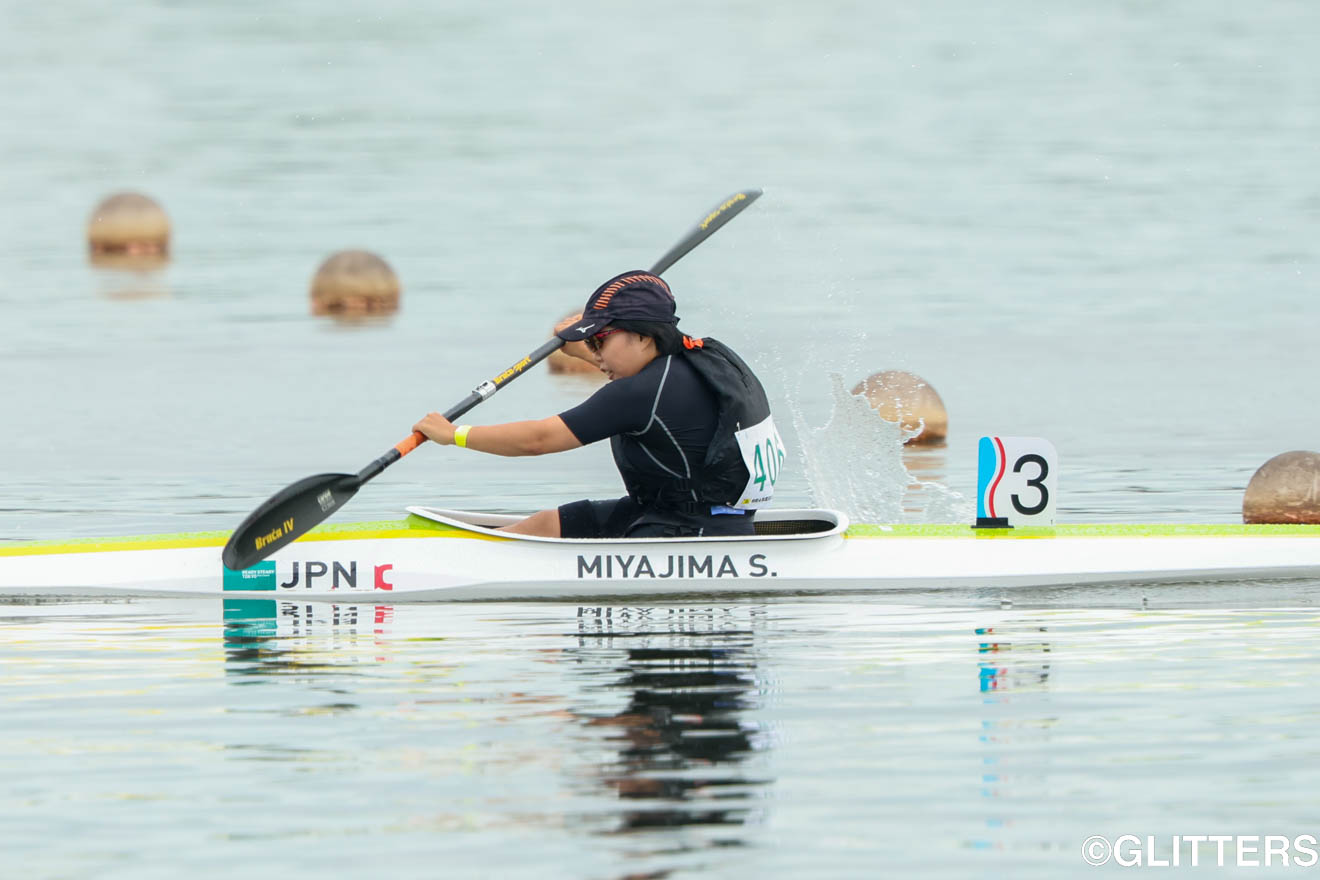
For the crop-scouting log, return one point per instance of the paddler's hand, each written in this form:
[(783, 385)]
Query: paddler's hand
[(575, 349), (437, 429)]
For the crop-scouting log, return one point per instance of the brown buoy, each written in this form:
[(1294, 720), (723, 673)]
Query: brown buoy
[(909, 400), (566, 364), (354, 284), (128, 231), (1286, 489)]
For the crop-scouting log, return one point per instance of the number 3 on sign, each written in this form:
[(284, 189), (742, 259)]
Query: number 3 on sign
[(1016, 481)]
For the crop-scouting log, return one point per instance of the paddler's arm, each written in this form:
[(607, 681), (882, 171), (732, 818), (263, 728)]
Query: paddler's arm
[(511, 438)]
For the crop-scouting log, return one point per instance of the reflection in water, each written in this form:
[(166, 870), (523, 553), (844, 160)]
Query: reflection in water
[(670, 692), (690, 681), (1013, 665), (533, 740), (133, 278), (929, 498), (1013, 659), (927, 469), (265, 637), (926, 462)]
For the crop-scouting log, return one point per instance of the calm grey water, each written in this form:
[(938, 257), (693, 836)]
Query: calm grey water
[(1090, 222)]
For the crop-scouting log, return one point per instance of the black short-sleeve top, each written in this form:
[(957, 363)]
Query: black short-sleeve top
[(660, 420)]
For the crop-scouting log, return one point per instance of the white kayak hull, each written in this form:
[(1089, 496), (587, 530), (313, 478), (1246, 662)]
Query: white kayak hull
[(442, 555)]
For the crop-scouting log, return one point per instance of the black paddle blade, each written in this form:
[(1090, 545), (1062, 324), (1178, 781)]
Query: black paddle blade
[(287, 516)]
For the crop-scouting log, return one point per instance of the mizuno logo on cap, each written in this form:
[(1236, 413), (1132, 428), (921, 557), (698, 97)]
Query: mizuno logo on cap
[(583, 328)]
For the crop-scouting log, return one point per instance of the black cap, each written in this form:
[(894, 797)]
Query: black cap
[(631, 296)]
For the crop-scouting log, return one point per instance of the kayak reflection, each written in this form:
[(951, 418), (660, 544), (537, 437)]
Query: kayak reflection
[(691, 685), (263, 637), (647, 716), (1017, 722)]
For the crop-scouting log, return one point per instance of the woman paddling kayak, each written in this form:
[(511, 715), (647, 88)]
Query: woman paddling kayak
[(688, 422)]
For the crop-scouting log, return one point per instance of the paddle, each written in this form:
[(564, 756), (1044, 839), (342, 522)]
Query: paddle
[(293, 511)]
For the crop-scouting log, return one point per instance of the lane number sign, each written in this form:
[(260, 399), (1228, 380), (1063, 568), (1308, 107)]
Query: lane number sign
[(1016, 482)]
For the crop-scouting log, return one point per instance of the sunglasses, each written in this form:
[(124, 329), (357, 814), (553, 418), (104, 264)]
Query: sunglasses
[(595, 340)]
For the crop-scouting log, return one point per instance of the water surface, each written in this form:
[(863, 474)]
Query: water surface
[(1091, 223)]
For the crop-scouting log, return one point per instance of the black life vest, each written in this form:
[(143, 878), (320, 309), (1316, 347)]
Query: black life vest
[(722, 475)]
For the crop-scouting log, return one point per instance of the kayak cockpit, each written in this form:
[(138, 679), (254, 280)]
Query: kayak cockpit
[(774, 525)]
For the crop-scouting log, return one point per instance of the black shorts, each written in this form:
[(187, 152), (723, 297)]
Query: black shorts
[(624, 518)]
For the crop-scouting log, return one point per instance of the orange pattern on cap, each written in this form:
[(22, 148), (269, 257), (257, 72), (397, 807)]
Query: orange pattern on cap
[(608, 293)]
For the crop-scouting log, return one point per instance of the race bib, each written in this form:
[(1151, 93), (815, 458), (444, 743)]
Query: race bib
[(763, 452)]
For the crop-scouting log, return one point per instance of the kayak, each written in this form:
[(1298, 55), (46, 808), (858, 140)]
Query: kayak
[(436, 554)]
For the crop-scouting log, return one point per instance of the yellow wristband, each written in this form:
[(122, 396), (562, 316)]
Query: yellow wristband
[(460, 436)]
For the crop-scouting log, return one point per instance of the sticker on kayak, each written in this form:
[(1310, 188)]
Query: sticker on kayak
[(311, 574), (259, 577), (1016, 481)]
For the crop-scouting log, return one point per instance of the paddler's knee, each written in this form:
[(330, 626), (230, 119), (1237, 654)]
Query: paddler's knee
[(1286, 489), (544, 524), (354, 284), (128, 230), (909, 400)]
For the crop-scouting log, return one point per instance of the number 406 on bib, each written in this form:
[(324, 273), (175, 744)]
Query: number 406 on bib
[(1016, 481)]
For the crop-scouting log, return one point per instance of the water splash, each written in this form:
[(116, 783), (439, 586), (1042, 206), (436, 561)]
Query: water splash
[(930, 500), (855, 463)]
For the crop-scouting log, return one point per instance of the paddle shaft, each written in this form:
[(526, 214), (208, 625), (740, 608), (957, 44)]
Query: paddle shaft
[(721, 214), (479, 394)]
